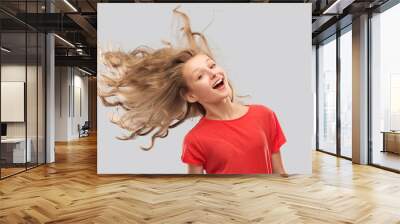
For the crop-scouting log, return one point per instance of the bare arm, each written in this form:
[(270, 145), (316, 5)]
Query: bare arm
[(193, 169), (277, 164)]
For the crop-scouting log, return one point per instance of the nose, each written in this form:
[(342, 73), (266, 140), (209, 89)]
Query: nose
[(213, 75)]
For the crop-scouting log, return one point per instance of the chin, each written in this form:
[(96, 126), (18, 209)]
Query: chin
[(225, 96)]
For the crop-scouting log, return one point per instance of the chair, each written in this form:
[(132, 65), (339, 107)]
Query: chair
[(84, 130)]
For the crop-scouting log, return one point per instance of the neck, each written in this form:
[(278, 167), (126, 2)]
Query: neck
[(223, 110)]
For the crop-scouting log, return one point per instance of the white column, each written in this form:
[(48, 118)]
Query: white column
[(50, 93), (360, 90)]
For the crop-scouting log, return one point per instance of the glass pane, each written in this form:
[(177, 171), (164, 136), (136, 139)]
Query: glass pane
[(386, 89), (327, 96), (31, 98), (314, 75), (31, 86), (346, 93), (41, 98), (13, 86), (22, 89)]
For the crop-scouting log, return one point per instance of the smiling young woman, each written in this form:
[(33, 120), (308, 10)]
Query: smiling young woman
[(162, 88)]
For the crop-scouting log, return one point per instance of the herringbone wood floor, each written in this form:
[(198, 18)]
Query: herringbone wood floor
[(70, 191)]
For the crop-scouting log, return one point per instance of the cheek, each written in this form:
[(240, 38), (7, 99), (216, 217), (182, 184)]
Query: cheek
[(201, 89)]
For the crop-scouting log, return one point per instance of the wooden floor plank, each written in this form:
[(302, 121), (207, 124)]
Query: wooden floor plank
[(70, 191)]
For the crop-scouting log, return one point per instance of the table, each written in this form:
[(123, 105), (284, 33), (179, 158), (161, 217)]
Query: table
[(391, 141), (13, 150)]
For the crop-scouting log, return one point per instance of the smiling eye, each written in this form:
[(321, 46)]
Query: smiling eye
[(199, 77), (212, 66)]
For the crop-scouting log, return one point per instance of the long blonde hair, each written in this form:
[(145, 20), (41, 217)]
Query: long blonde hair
[(149, 85)]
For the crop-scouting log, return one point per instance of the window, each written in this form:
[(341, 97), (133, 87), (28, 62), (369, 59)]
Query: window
[(346, 93), (23, 77), (385, 89), (327, 96)]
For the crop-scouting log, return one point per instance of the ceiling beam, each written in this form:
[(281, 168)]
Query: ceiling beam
[(83, 61), (86, 26)]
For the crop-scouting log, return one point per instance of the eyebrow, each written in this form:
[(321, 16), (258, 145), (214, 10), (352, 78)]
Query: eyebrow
[(194, 71)]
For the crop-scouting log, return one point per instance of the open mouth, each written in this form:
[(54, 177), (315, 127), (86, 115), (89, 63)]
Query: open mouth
[(219, 84)]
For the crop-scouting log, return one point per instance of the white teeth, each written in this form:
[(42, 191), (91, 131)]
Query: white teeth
[(217, 82)]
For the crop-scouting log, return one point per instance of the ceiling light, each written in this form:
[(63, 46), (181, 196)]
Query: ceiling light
[(329, 9), (337, 7), (5, 49), (70, 5), (84, 71), (65, 41)]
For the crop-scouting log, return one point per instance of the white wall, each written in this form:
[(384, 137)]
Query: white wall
[(314, 83), (79, 117), (61, 103), (68, 80), (80, 82), (12, 73), (12, 101)]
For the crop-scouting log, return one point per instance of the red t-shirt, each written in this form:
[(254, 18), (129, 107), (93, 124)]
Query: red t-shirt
[(239, 146)]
